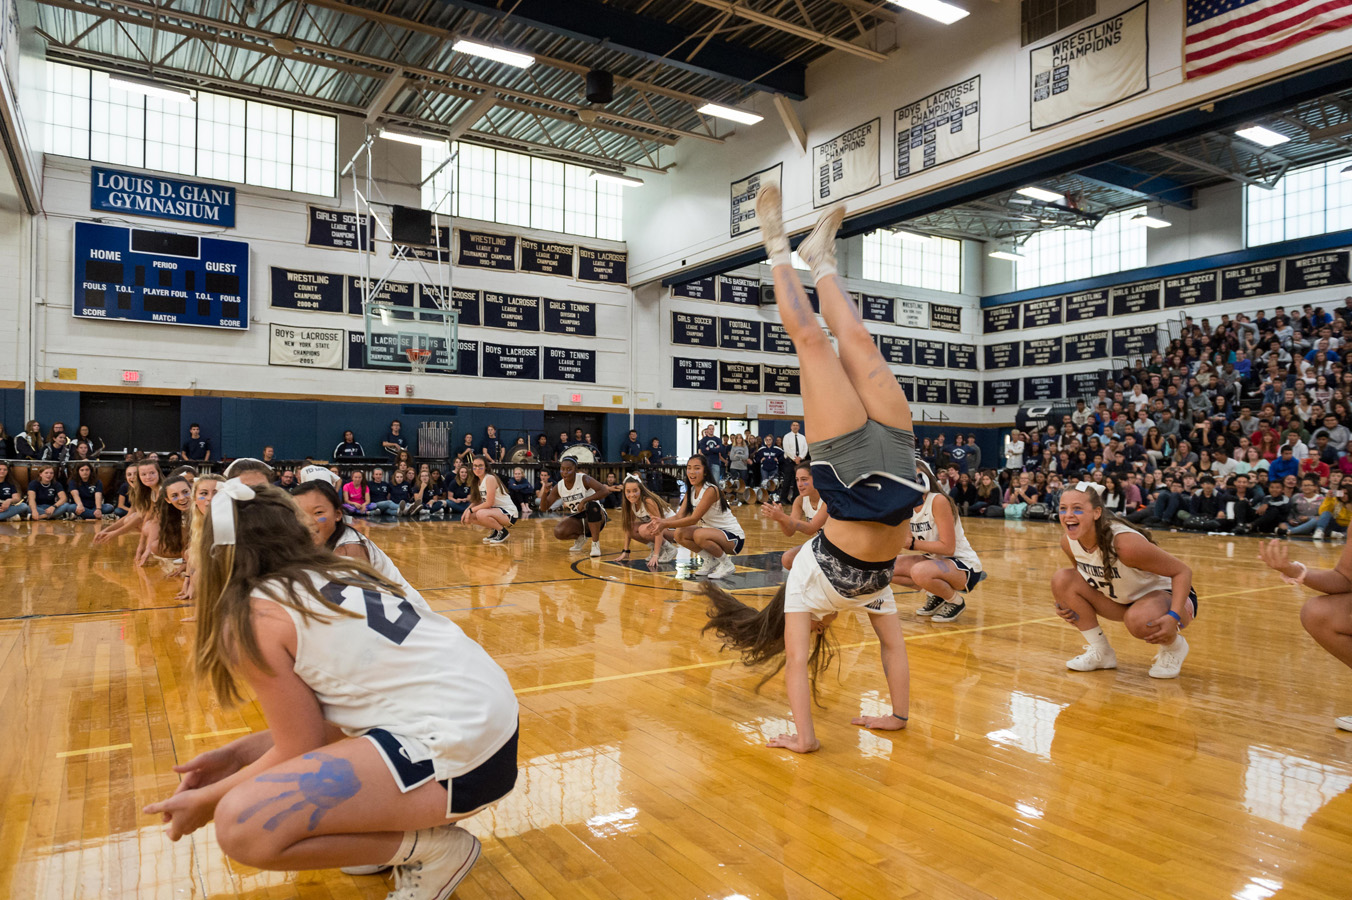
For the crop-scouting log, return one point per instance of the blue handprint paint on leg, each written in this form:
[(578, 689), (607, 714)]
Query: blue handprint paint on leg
[(334, 782)]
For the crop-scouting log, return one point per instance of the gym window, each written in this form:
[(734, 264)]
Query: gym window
[(1042, 18), (518, 189), (1311, 200), (218, 137), (935, 264), (1068, 254)]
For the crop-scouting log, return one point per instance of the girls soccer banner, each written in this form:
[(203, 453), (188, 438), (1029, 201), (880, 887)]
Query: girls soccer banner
[(939, 128), (846, 165), (1090, 69), (744, 193)]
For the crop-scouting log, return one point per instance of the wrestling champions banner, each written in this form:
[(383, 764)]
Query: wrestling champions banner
[(1090, 69)]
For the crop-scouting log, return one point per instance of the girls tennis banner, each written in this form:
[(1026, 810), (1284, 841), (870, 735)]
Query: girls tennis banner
[(846, 165), (939, 128), (1090, 69)]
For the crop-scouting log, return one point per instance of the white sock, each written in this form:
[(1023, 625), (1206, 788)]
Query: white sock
[(824, 269), (1097, 639), (406, 849), (780, 254)]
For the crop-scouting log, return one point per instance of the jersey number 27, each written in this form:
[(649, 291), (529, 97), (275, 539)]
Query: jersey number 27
[(396, 630)]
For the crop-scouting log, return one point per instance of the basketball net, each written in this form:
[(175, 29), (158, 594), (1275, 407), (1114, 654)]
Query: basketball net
[(418, 360)]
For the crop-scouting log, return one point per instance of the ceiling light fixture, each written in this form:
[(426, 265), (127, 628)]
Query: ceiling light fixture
[(1346, 172), (1011, 255), (151, 89), (1260, 135), (1150, 221), (616, 178), (496, 54), (731, 113), (937, 10), (417, 138), (913, 237), (1042, 194)]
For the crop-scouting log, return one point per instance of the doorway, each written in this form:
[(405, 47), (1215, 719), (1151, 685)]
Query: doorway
[(132, 422), (688, 432), (590, 423)]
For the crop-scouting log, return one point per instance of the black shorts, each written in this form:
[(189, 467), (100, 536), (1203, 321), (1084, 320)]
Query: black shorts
[(485, 784), (592, 511), (973, 578), (738, 541)]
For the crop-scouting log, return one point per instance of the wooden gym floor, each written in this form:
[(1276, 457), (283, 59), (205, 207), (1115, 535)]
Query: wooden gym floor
[(643, 771)]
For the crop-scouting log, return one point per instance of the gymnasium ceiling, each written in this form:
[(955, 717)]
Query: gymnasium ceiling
[(391, 61)]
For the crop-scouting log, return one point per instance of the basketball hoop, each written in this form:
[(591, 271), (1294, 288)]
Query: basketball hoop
[(418, 359)]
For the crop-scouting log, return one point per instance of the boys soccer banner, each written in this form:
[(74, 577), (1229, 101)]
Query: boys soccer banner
[(744, 198), (1093, 68), (939, 128), (846, 165)]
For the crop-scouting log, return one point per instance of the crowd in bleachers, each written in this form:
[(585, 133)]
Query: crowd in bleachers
[(1240, 425)]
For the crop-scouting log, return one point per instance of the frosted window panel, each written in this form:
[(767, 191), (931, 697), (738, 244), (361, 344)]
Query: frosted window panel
[(171, 136), (67, 131), (220, 137), (546, 194), (579, 202), (1339, 192)]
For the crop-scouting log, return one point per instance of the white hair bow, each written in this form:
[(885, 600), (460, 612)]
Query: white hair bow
[(223, 510), (1085, 487)]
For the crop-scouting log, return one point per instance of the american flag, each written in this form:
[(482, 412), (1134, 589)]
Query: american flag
[(1221, 33)]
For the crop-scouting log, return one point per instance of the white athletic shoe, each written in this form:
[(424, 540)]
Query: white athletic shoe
[(668, 554), (770, 217), (1169, 661), (818, 249), (724, 567), (708, 563), (1319, 534), (1344, 723), (596, 549), (363, 870), (1092, 658), (580, 544), (443, 859)]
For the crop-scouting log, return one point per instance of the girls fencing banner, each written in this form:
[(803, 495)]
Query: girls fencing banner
[(1090, 69), (846, 165), (744, 198), (939, 128)]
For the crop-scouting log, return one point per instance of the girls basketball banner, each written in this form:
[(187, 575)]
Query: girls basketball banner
[(743, 219), (939, 128), (1093, 68), (846, 165)]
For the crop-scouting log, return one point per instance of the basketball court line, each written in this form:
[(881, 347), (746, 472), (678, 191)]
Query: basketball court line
[(206, 734), (64, 754)]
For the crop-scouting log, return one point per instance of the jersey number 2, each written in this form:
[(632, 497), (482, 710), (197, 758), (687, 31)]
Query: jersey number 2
[(376, 619)]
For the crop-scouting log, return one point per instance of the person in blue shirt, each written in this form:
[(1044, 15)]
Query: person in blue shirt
[(521, 490), (712, 449), (457, 491), (394, 441), (631, 446), (46, 499), (1284, 465), (958, 455), (86, 492), (379, 490), (401, 493), (655, 458), (771, 459), (348, 448), (493, 448), (11, 498), (196, 447)]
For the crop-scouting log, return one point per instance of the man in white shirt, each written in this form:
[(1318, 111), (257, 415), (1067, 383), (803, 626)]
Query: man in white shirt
[(1299, 450), (1014, 451), (795, 448)]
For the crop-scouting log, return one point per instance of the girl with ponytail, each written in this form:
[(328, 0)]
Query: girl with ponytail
[(942, 563), (1119, 573)]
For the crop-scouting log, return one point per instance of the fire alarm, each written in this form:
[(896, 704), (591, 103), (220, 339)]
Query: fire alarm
[(408, 390)]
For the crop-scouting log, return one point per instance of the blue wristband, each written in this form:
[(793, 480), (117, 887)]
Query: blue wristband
[(1177, 618)]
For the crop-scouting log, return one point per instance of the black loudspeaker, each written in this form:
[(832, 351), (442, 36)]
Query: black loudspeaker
[(411, 226), (600, 87)]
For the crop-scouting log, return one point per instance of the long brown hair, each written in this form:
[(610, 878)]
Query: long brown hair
[(274, 558), (476, 495), (644, 495), (1103, 527), (172, 521), (139, 497), (758, 634)]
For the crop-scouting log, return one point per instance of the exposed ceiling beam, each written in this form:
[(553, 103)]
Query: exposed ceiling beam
[(792, 124), (1147, 185), (649, 38), (385, 96), (472, 114), (741, 11)]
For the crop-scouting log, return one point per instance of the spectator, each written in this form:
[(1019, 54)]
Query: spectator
[(457, 492), (493, 448), (96, 445), (712, 448), (394, 441), (522, 491), (86, 492), (738, 454), (973, 455), (1338, 433), (11, 495), (467, 451), (1305, 509), (46, 499), (629, 450), (401, 493), (1271, 514), (348, 448), (356, 497), (1014, 451), (561, 445), (987, 501), (196, 448)]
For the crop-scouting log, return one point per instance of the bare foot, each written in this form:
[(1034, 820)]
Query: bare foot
[(880, 723), (795, 743)]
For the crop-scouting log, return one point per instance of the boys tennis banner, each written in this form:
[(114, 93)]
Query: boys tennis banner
[(846, 165), (1091, 69), (939, 128)]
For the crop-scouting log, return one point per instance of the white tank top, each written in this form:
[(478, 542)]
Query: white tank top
[(640, 511), (575, 497), (501, 499), (1123, 584), (717, 516), (810, 508), (397, 665), (923, 528), (380, 561)]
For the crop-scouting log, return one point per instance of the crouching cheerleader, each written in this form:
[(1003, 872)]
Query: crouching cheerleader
[(946, 567), (641, 517)]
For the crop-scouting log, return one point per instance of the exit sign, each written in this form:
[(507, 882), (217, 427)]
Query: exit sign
[(575, 398), (131, 376)]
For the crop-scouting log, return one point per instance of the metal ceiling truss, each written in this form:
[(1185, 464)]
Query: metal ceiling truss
[(1225, 156)]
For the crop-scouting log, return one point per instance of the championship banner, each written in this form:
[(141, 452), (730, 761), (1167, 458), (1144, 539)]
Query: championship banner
[(846, 165), (1090, 69), (309, 348), (939, 128), (743, 218)]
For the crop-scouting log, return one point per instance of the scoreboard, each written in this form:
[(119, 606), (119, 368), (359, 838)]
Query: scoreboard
[(160, 277)]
